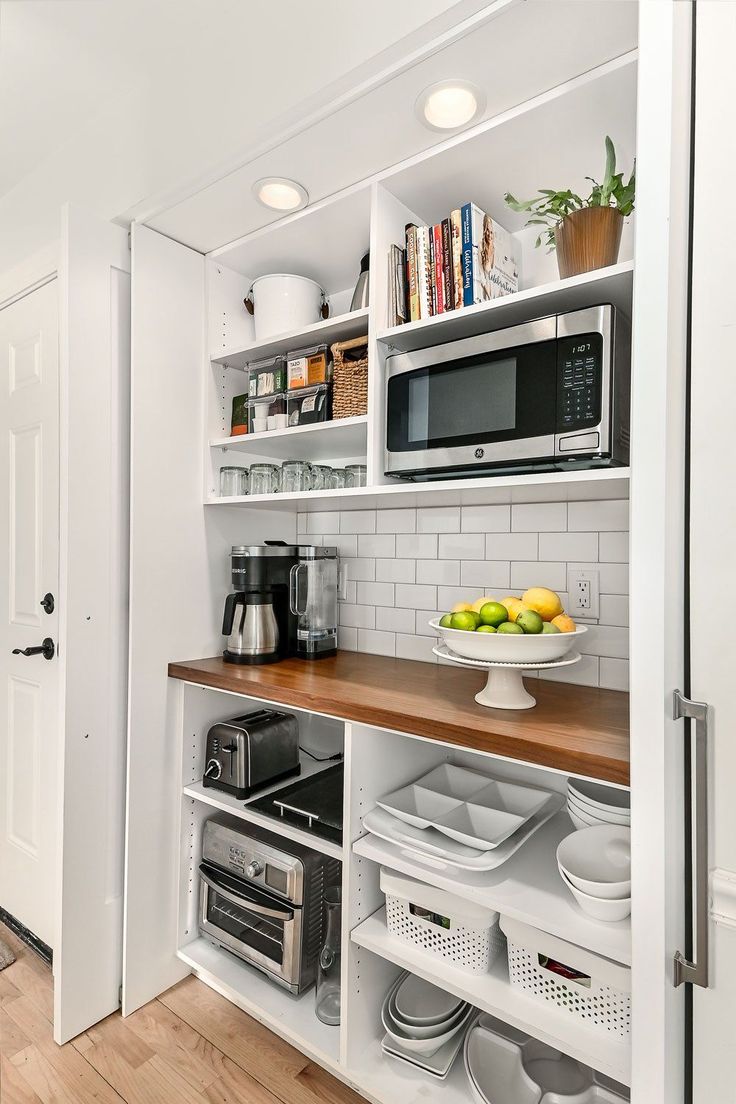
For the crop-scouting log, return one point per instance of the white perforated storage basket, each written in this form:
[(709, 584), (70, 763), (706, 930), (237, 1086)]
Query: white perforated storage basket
[(441, 923), (601, 998)]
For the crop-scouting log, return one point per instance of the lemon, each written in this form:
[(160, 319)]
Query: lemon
[(465, 620), (510, 627), (461, 607), (509, 599), (493, 613), (530, 621), (515, 606), (546, 602), (486, 628)]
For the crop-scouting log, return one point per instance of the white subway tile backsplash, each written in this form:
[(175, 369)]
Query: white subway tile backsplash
[(603, 515), (614, 578), (416, 546), (539, 517), (584, 673), (357, 617), (606, 640), (461, 546), (486, 574), (346, 545), (568, 546), (395, 620), (358, 521), (376, 643), (447, 597), (409, 596), (513, 546), (351, 592), (376, 594), (395, 571), (378, 544), (614, 674), (396, 521), (415, 647), (486, 519), (360, 569), (614, 609), (438, 519), (347, 638), (320, 522), (440, 572), (422, 619), (614, 548), (538, 573)]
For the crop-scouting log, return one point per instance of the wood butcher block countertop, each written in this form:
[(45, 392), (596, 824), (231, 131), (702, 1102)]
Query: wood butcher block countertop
[(576, 729)]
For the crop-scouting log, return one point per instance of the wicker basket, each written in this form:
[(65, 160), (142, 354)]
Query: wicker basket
[(350, 373)]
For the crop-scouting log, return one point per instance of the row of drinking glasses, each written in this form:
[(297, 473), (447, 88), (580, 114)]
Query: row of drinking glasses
[(291, 476)]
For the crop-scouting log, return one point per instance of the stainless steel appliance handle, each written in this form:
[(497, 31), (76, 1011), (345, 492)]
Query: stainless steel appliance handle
[(245, 901), (696, 972), (294, 590)]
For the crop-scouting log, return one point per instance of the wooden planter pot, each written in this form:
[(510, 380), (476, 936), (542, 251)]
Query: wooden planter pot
[(588, 239)]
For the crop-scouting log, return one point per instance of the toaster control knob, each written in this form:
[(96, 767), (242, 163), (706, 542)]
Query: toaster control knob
[(254, 869), (213, 769)]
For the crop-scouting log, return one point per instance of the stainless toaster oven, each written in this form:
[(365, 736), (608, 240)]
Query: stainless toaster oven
[(545, 395)]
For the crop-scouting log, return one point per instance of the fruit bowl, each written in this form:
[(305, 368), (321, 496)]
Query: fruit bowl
[(528, 648)]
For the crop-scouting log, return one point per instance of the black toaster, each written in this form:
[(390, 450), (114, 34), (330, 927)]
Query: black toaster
[(252, 751)]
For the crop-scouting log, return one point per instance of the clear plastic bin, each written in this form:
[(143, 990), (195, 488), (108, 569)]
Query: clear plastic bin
[(263, 412), (309, 405), (308, 367), (267, 377)]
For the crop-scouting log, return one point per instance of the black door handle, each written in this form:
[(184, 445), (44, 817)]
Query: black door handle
[(47, 649)]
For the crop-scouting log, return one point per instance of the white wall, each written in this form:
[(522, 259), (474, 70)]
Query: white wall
[(215, 89)]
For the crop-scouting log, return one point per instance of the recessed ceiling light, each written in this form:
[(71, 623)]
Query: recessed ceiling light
[(450, 104), (280, 194)]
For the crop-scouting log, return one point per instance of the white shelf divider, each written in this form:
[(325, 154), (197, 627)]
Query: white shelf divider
[(324, 441), (528, 888), (340, 328), (491, 992)]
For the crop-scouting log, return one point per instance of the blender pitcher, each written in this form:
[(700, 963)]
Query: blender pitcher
[(313, 599)]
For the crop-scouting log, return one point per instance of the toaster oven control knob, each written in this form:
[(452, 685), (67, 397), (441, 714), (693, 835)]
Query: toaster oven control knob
[(213, 769), (254, 869)]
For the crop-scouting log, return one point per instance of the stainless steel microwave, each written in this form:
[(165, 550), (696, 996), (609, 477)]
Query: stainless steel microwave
[(542, 396)]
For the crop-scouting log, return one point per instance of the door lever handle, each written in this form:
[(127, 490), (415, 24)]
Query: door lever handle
[(47, 649)]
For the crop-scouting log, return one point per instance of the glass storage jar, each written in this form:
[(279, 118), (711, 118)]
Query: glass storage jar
[(328, 970), (356, 475), (264, 479), (233, 481), (296, 475)]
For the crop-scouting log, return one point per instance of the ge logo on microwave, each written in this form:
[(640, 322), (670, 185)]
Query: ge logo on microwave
[(479, 453)]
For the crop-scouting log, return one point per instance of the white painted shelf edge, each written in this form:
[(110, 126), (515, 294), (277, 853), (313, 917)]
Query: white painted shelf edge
[(247, 439), (527, 887), (492, 992), (329, 330)]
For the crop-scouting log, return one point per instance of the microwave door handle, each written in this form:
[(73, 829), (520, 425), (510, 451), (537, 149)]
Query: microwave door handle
[(243, 899)]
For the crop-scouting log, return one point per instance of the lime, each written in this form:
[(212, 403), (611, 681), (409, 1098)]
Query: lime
[(493, 613), (446, 621), (548, 627), (465, 620), (530, 621), (486, 628), (510, 627)]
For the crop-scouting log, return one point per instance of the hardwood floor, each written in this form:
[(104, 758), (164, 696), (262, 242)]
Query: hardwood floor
[(190, 1046)]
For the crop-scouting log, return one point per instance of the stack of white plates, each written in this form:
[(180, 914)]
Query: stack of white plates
[(589, 803), (595, 865), (425, 1026)]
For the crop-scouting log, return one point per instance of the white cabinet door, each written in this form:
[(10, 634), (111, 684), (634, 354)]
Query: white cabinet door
[(94, 278), (713, 532), (29, 569)]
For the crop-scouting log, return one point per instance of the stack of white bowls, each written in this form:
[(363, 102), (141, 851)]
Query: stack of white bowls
[(420, 1018), (595, 865), (589, 803)]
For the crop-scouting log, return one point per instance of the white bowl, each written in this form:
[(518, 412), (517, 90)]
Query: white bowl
[(420, 1002), (603, 798), (425, 1031), (597, 860), (427, 1047), (580, 824), (597, 907), (495, 1069), (598, 816), (508, 647), (585, 820)]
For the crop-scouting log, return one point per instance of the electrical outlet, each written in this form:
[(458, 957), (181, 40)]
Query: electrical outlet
[(583, 593)]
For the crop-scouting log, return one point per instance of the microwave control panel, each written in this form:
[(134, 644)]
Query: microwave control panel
[(579, 374)]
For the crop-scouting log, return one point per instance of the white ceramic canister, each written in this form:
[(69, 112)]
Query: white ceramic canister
[(280, 303)]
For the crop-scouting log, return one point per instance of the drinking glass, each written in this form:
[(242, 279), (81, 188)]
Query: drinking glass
[(356, 475), (328, 971), (233, 481), (321, 477), (338, 479), (264, 479), (296, 475)]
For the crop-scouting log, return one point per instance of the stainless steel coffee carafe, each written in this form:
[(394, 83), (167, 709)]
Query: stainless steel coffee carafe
[(250, 626)]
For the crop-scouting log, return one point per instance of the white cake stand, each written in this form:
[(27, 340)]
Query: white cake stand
[(504, 688)]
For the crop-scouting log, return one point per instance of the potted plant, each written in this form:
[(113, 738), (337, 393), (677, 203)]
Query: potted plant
[(585, 232)]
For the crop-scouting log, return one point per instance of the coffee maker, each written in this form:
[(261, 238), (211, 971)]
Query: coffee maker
[(284, 603)]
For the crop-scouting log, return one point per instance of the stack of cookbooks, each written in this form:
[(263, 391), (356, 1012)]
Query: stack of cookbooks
[(465, 259)]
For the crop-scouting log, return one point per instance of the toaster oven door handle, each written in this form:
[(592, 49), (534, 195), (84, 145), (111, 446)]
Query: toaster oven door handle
[(236, 898)]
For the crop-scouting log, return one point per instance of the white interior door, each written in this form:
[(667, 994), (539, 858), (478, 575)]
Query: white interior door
[(94, 540), (713, 534), (29, 569)]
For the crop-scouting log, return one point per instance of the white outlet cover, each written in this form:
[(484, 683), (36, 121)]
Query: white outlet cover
[(574, 576)]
